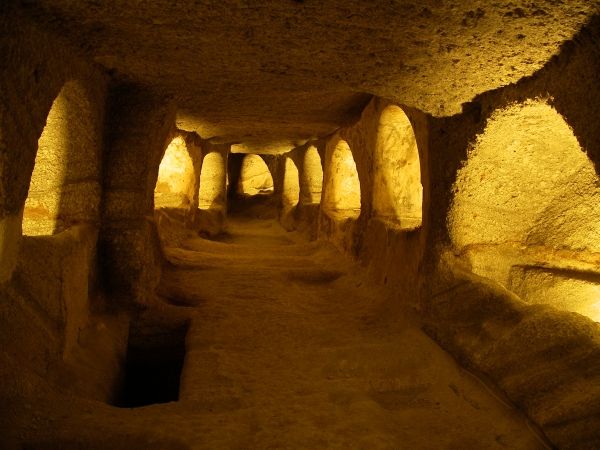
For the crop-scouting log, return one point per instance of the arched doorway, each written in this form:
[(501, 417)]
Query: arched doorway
[(212, 182), (176, 177), (312, 177), (65, 187), (255, 177), (342, 190), (291, 185), (526, 212), (397, 189)]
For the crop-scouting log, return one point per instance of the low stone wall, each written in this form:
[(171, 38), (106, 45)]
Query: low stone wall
[(546, 361)]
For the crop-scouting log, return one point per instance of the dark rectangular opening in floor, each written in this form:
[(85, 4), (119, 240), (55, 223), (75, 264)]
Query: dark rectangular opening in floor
[(153, 365)]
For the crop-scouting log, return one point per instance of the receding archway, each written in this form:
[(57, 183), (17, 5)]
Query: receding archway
[(526, 210), (212, 182), (64, 188), (255, 177), (312, 177), (342, 185), (397, 189), (176, 178)]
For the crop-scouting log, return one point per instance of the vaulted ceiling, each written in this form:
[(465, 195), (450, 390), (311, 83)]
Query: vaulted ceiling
[(271, 73)]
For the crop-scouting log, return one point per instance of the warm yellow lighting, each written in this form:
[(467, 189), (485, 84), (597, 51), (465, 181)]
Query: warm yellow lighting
[(277, 147), (595, 306), (397, 189), (291, 185), (255, 177), (175, 184), (342, 191), (526, 210), (212, 182), (312, 177), (42, 207), (562, 289)]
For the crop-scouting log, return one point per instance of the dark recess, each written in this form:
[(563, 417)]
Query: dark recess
[(153, 366)]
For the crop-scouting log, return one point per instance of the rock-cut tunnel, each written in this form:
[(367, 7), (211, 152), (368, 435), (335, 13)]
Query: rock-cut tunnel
[(299, 225)]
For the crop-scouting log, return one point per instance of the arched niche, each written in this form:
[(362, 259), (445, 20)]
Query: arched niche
[(255, 177), (176, 177), (525, 211), (65, 187), (342, 190), (291, 185), (212, 182), (312, 177), (397, 189)]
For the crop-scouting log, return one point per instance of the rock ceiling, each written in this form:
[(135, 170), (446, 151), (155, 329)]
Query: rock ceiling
[(268, 73)]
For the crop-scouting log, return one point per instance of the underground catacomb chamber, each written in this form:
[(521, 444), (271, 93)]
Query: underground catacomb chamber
[(526, 211), (342, 186), (352, 207), (153, 365)]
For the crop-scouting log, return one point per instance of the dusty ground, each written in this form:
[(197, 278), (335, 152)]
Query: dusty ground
[(291, 348), (288, 347)]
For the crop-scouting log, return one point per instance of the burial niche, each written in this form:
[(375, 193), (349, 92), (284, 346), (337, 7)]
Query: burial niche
[(212, 182), (255, 177), (64, 188), (525, 211), (291, 185), (312, 177), (397, 189), (176, 179), (342, 190)]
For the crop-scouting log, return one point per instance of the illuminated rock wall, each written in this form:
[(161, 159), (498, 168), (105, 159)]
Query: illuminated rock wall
[(50, 283), (503, 252), (536, 193), (527, 198), (212, 197), (290, 194), (255, 177), (177, 189), (213, 181), (65, 184), (390, 252), (176, 186), (311, 182), (397, 189), (341, 197)]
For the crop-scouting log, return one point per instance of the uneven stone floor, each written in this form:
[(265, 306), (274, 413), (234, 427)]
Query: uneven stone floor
[(288, 347), (291, 348)]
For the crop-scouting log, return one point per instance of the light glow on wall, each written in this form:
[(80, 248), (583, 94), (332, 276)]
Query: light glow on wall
[(175, 183), (342, 192), (526, 209), (212, 182), (312, 177), (291, 185), (255, 177), (42, 207), (397, 189)]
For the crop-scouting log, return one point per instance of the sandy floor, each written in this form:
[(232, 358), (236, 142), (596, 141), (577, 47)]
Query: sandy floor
[(289, 347)]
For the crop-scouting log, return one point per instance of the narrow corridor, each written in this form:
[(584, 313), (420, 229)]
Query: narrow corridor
[(290, 347)]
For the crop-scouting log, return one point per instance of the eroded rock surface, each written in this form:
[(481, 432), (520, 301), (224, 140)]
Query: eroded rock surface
[(279, 70)]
